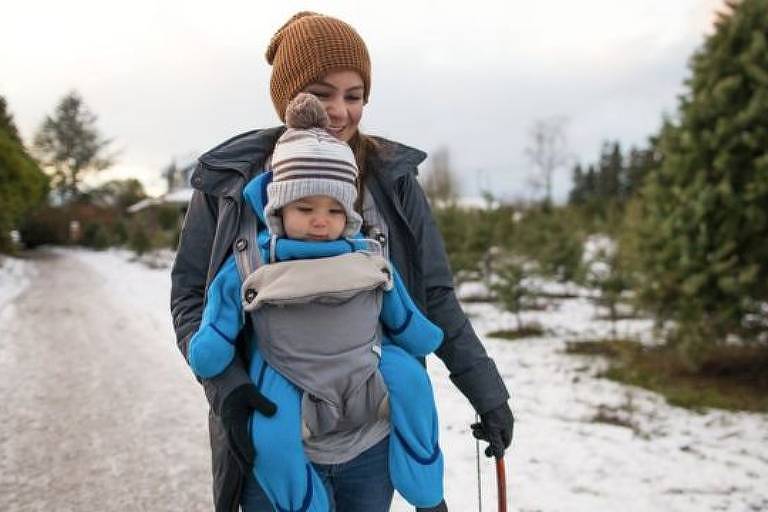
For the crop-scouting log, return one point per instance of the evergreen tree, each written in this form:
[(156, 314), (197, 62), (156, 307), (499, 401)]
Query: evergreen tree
[(703, 234), (577, 193), (638, 165), (610, 170), (23, 185), (606, 273), (616, 179), (6, 122), (617, 171), (70, 145), (511, 289), (590, 184)]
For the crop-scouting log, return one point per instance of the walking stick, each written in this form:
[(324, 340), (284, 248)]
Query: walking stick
[(501, 484), (477, 465)]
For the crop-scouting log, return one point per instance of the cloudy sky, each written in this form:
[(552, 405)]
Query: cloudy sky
[(170, 79)]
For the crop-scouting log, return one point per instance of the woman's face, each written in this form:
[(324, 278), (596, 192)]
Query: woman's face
[(341, 92)]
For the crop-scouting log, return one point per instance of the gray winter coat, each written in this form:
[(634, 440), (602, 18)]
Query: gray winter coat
[(415, 247)]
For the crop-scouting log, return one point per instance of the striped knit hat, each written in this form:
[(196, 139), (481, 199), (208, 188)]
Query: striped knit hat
[(309, 161)]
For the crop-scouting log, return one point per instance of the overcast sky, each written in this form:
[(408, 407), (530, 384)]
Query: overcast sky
[(172, 79)]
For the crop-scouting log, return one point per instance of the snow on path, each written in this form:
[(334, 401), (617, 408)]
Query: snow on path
[(99, 411), (109, 415), (15, 275)]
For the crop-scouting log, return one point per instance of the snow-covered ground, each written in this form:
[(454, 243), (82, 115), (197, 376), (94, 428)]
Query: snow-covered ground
[(15, 276), (563, 459)]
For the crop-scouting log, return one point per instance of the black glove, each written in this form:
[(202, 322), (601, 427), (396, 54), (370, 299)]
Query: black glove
[(440, 507), (495, 427), (235, 415)]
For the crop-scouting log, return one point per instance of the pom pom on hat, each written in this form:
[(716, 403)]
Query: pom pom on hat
[(305, 111)]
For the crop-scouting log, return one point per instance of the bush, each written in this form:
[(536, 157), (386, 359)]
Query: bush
[(44, 226), (167, 217), (553, 237), (139, 240), (470, 233), (95, 236), (510, 288), (120, 233)]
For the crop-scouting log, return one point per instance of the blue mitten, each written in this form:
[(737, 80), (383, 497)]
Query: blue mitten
[(405, 325), (212, 347)]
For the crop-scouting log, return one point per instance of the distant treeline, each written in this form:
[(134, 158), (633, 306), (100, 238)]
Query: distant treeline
[(614, 178)]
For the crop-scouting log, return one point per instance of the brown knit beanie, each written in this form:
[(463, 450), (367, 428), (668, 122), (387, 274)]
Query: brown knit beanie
[(308, 46)]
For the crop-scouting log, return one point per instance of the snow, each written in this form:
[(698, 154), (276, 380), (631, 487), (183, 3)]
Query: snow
[(142, 285), (659, 458), (15, 276), (598, 249)]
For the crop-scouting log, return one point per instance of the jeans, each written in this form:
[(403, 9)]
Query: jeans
[(359, 485)]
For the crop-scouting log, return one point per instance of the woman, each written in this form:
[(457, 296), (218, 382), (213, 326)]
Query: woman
[(327, 58)]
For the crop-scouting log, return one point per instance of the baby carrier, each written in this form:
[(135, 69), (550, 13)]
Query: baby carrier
[(326, 375)]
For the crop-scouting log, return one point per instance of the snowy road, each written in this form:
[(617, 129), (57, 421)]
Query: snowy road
[(100, 412)]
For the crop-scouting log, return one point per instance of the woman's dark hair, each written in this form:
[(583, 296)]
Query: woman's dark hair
[(364, 148)]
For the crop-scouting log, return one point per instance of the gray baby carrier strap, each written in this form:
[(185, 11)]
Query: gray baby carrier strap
[(317, 323), (246, 247)]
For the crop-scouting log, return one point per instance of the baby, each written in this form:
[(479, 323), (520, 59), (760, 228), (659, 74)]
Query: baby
[(334, 330)]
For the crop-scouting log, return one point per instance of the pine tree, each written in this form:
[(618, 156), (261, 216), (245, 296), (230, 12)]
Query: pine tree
[(639, 163), (606, 273), (577, 193), (22, 184), (6, 122), (590, 184), (703, 237), (70, 145), (609, 174), (511, 289)]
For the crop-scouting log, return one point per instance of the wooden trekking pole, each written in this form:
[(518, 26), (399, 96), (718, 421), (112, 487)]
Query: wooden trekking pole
[(501, 484)]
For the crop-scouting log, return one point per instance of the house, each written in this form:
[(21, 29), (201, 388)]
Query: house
[(179, 189)]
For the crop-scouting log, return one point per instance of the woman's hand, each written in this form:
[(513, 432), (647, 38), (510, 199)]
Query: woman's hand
[(236, 412), (496, 427)]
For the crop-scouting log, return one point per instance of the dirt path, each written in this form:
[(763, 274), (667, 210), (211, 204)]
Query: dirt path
[(95, 414)]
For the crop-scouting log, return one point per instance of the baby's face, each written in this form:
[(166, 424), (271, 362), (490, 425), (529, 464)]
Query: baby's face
[(314, 218)]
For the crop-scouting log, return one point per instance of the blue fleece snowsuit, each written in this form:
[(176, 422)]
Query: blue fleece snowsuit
[(281, 467)]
